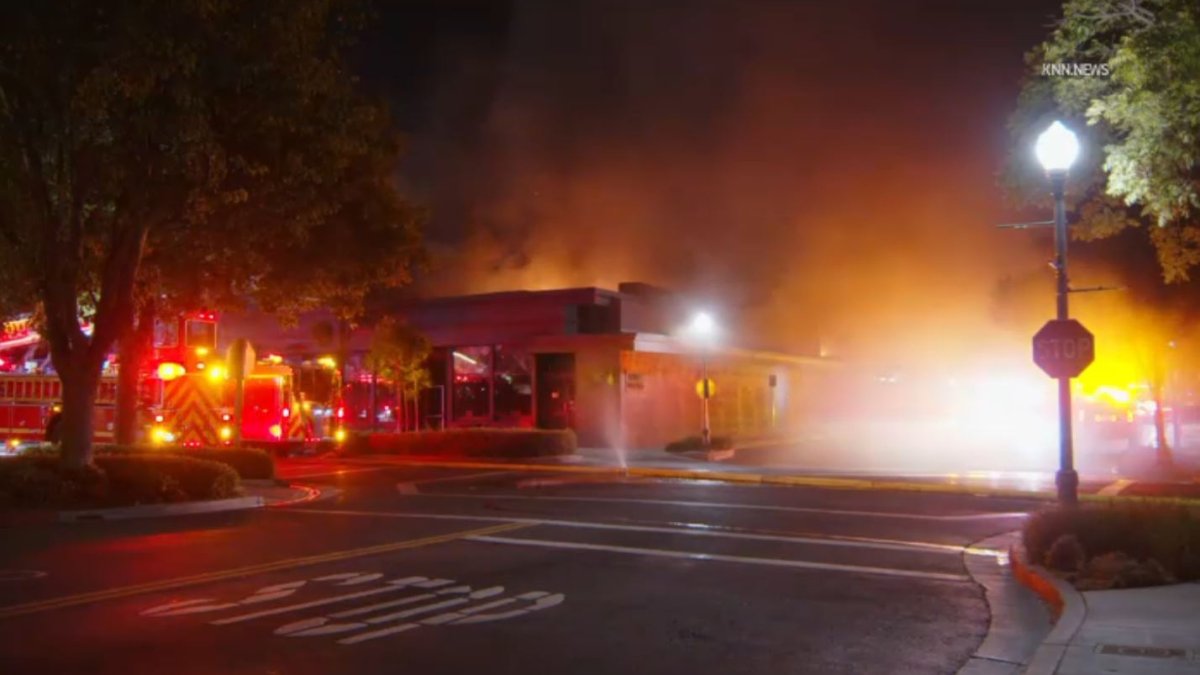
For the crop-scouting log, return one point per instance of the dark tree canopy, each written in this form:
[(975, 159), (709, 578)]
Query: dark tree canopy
[(1140, 123), (211, 151)]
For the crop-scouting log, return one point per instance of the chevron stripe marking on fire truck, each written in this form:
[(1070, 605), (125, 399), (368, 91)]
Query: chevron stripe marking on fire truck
[(194, 404)]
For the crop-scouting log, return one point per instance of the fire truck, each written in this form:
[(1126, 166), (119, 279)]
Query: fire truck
[(187, 394)]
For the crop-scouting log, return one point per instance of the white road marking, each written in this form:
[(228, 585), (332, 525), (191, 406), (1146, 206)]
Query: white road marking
[(371, 635), (320, 625), (543, 601), (687, 529), (351, 578), (775, 562), (265, 594), (1114, 488), (391, 587), (736, 506), (332, 625), (173, 608), (21, 575)]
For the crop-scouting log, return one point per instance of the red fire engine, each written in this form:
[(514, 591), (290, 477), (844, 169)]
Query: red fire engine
[(186, 395)]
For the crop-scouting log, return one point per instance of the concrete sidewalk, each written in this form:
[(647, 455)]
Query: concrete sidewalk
[(1144, 630), (1139, 630)]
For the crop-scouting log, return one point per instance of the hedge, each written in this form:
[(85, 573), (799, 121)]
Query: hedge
[(38, 480), (1116, 542), (147, 478), (249, 463), (480, 442)]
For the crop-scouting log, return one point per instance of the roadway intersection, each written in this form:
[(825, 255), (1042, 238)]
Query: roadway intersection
[(440, 570)]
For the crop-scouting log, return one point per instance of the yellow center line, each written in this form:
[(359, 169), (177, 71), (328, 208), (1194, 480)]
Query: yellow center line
[(288, 563)]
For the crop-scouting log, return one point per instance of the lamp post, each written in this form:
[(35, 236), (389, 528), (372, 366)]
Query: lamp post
[(702, 328), (1056, 149)]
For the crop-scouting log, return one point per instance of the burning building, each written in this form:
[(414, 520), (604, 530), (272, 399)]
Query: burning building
[(610, 364)]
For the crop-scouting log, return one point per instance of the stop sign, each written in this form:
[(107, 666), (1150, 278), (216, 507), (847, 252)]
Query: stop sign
[(1063, 348)]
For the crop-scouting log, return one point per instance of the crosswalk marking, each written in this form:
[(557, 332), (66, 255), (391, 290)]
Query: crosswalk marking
[(776, 562)]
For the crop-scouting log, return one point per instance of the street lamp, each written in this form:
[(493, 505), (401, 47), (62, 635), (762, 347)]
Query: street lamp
[(1056, 149), (703, 328)]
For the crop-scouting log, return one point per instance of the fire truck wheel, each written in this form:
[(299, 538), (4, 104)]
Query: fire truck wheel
[(54, 428)]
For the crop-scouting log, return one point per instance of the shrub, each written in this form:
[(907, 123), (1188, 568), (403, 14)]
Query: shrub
[(697, 443), (1117, 570), (1066, 554), (493, 443), (1142, 533), (146, 478), (37, 480), (115, 480), (249, 463)]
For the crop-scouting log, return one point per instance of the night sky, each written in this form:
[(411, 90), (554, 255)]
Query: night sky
[(812, 170)]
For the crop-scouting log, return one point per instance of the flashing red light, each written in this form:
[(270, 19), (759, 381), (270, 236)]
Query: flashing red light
[(341, 412), (286, 412), (191, 444)]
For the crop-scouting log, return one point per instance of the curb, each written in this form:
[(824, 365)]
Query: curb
[(710, 455), (1016, 619), (1069, 608), (737, 477), (161, 510), (311, 493), (748, 478)]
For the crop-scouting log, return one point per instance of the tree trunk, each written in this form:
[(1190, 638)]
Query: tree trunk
[(416, 401), (374, 400), (76, 425), (132, 348), (1162, 450), (399, 406)]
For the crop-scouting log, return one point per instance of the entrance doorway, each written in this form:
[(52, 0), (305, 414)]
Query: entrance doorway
[(555, 391)]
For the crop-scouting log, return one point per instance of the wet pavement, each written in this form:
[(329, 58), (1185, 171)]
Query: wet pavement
[(439, 570)]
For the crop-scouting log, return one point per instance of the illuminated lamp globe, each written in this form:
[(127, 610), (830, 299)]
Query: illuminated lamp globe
[(703, 324), (1057, 147)]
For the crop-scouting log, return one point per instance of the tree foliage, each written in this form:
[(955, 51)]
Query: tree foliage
[(211, 151), (398, 353), (1144, 117)]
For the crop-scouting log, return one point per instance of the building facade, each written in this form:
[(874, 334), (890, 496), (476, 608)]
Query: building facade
[(601, 362)]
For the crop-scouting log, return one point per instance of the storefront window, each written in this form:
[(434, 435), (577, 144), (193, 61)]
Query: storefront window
[(514, 387), (472, 385)]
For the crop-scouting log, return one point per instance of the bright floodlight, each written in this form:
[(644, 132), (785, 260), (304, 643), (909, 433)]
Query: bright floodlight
[(703, 324), (1057, 147)]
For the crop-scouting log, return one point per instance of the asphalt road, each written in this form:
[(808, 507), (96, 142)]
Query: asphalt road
[(453, 571)]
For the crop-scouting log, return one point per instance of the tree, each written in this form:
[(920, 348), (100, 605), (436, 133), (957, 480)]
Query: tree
[(398, 353), (210, 149), (1145, 115)]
